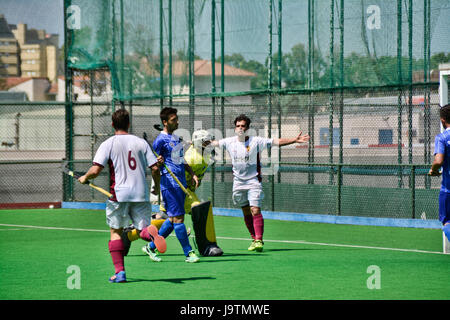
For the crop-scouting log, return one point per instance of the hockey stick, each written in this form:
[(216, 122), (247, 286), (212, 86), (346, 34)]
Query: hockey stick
[(77, 175)]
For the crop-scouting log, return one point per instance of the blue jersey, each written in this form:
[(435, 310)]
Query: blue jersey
[(442, 145), (170, 147)]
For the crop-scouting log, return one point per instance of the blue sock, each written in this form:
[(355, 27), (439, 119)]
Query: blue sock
[(165, 230), (180, 231), (446, 230)]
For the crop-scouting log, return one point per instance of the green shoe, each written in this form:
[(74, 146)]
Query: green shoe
[(252, 246), (192, 257), (259, 245), (153, 254), (256, 245)]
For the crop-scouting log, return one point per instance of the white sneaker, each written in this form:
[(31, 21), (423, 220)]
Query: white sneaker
[(153, 254), (192, 257)]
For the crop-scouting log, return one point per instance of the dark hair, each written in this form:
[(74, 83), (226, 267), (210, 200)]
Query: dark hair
[(166, 112), (121, 119), (444, 113), (243, 117)]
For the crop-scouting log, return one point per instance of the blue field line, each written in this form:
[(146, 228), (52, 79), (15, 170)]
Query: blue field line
[(291, 216)]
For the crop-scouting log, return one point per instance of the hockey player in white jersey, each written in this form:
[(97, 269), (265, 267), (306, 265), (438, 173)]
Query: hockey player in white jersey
[(245, 152)]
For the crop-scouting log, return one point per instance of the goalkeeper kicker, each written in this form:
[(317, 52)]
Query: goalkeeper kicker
[(203, 224)]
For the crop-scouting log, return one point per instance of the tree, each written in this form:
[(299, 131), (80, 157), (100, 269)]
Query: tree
[(237, 60), (438, 59)]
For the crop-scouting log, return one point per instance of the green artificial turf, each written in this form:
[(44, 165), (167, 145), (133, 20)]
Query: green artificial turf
[(299, 261)]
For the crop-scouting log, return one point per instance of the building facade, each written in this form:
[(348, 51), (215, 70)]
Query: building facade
[(9, 51), (27, 52)]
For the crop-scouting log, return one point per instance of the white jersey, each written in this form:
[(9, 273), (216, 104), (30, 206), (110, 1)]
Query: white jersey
[(245, 157), (127, 157)]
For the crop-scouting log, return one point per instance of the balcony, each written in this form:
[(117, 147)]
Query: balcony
[(9, 71), (9, 49), (30, 55), (11, 59), (31, 67)]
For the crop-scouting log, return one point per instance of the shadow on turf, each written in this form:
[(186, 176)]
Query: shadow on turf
[(298, 249), (203, 259), (173, 280), (246, 254)]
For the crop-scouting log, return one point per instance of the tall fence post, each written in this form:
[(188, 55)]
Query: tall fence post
[(339, 189), (161, 54), (222, 79), (67, 182), (213, 89), (399, 100), (191, 55), (331, 98), (413, 192), (269, 102)]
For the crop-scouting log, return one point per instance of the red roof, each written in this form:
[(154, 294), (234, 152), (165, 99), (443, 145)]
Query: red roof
[(14, 81), (203, 68)]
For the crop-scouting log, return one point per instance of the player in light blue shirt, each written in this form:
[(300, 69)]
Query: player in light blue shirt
[(170, 147), (442, 159)]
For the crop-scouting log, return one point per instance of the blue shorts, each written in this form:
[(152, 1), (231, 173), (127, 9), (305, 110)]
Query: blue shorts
[(174, 201), (444, 207)]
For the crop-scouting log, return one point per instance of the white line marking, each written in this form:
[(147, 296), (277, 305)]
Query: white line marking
[(338, 245), (245, 239)]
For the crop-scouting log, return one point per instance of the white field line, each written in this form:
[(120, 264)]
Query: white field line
[(337, 245), (242, 239)]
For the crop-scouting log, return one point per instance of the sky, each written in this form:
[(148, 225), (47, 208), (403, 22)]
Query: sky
[(48, 15), (37, 14)]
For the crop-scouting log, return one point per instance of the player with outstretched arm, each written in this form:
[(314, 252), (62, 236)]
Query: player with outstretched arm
[(245, 154), (127, 157)]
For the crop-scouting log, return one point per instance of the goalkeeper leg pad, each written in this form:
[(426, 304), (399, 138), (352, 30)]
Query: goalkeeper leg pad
[(213, 251), (205, 235)]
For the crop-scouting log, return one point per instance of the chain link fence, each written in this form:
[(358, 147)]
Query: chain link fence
[(378, 168), (358, 77)]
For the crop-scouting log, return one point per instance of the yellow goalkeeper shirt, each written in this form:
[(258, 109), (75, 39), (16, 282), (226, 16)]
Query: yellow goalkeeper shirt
[(197, 162)]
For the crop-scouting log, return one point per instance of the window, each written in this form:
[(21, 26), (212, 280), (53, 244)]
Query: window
[(324, 136), (354, 141), (385, 136)]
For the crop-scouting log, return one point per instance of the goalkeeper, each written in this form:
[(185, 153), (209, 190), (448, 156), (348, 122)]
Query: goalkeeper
[(198, 160)]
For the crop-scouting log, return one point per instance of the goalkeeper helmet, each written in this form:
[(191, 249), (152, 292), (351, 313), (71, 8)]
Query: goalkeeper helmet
[(201, 136)]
